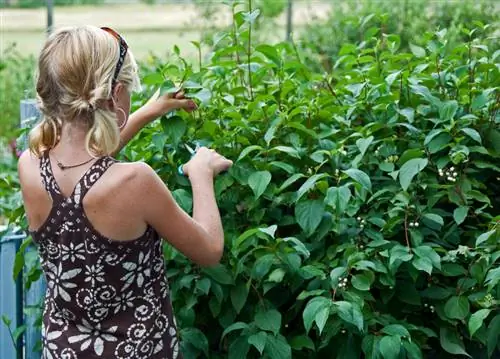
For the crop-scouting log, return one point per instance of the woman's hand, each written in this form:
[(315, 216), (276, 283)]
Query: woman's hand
[(206, 163), (173, 101)]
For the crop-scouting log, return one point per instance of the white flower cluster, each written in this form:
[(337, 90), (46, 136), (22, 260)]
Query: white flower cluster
[(450, 174), (343, 282), (414, 224), (431, 307), (362, 222)]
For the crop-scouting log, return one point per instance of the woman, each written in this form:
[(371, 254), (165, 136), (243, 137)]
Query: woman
[(98, 222)]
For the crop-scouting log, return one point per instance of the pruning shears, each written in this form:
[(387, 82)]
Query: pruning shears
[(192, 152)]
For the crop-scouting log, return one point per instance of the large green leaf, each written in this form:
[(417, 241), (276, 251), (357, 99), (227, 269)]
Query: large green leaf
[(220, 274), (457, 307), (390, 346), (476, 320), (409, 170), (338, 198), (311, 181), (277, 347), (258, 340), (196, 338), (269, 320), (308, 214), (451, 342), (258, 182), (360, 177), (239, 294), (351, 313)]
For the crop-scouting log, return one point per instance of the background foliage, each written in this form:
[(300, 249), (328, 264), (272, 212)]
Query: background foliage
[(361, 214)]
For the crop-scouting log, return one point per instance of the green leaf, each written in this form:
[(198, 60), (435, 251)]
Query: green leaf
[(184, 199), (493, 334), (460, 213), (396, 330), (321, 318), (351, 313), (308, 215), (233, 327), (203, 285), (417, 51), (239, 348), (220, 274), (412, 350), (360, 177), (361, 282), (159, 140), (390, 346), (277, 348), (434, 218), (270, 52), (277, 275), (423, 264), (392, 77), (247, 150), (315, 309), (269, 320), (479, 101), (262, 266), (492, 278), (258, 182), (311, 181), (18, 332), (175, 128), (484, 237), (472, 134), (409, 170), (451, 342), (457, 307), (429, 253), (292, 179), (447, 110), (300, 342), (239, 294), (338, 198), (196, 338), (363, 144), (476, 320), (20, 258), (258, 341)]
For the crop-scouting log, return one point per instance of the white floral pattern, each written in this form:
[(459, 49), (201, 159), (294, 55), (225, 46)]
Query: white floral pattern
[(104, 298)]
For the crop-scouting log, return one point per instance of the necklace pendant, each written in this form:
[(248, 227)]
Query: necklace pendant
[(61, 166)]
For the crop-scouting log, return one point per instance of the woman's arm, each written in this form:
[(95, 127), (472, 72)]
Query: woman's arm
[(151, 111)]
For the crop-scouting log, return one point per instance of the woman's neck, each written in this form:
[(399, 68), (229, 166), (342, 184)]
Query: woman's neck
[(71, 145)]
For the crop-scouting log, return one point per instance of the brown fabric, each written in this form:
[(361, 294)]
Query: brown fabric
[(104, 299)]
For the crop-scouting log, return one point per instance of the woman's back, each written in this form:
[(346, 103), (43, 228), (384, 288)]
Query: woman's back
[(105, 298)]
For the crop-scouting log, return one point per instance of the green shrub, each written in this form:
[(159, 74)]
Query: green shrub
[(360, 212), (361, 215), (358, 21), (16, 83)]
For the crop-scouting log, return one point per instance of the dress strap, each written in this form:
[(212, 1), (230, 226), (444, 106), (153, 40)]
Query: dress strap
[(90, 178), (48, 178)]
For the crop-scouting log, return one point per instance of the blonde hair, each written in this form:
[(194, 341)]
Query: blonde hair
[(74, 84)]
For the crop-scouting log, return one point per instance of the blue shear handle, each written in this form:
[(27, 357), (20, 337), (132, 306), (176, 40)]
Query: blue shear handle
[(180, 170)]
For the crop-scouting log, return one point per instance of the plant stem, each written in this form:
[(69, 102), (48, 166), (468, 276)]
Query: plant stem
[(406, 231), (235, 44), (249, 51)]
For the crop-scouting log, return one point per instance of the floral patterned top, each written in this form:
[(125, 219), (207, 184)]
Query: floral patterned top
[(105, 298)]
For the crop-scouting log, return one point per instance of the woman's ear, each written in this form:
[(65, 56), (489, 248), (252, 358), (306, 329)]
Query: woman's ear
[(117, 90)]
